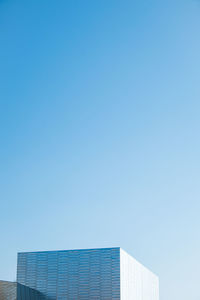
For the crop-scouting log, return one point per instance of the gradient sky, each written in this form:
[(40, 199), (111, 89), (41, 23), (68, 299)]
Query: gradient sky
[(100, 132)]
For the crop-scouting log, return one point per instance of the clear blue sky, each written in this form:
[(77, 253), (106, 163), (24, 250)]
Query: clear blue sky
[(100, 132)]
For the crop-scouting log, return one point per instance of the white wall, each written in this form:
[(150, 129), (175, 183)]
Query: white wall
[(136, 281)]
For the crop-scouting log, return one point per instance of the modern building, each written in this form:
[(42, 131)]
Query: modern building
[(8, 290), (108, 273)]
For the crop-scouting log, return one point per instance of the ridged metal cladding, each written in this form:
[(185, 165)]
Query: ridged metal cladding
[(71, 274), (8, 290)]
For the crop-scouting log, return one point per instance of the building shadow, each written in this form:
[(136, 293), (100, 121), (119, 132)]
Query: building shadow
[(27, 293)]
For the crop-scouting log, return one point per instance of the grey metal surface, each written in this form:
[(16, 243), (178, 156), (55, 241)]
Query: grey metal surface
[(94, 274), (8, 290)]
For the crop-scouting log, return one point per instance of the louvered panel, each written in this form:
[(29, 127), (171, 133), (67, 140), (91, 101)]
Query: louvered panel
[(71, 274)]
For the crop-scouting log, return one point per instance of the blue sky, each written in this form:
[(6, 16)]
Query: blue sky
[(99, 132)]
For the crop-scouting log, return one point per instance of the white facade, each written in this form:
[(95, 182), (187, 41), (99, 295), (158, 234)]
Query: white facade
[(136, 281)]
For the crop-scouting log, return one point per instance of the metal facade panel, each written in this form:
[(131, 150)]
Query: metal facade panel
[(8, 290), (137, 282), (71, 274)]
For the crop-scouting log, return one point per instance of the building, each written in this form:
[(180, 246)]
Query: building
[(108, 273), (8, 290)]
